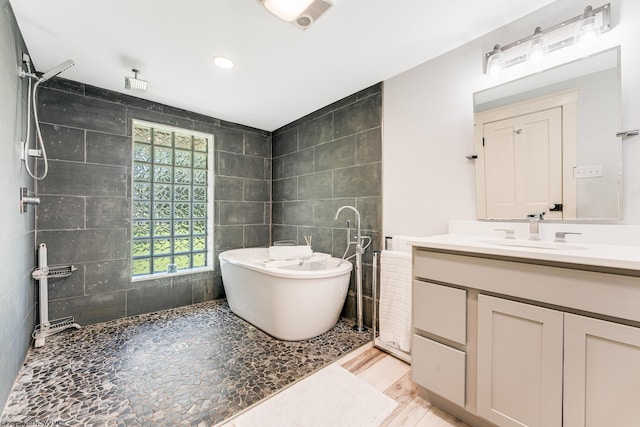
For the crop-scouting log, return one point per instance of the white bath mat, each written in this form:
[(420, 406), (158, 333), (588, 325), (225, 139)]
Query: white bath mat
[(331, 397)]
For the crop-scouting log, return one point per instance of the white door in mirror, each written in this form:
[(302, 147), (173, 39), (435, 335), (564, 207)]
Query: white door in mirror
[(523, 164)]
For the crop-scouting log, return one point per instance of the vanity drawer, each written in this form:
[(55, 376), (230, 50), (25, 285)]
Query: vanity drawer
[(440, 310), (603, 293), (439, 368)]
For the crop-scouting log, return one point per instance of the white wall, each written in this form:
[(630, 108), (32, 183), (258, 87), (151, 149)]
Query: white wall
[(428, 123), (598, 144)]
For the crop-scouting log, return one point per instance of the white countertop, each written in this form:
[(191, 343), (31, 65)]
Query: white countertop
[(599, 255)]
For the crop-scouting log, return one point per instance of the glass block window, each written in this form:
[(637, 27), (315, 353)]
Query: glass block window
[(172, 203)]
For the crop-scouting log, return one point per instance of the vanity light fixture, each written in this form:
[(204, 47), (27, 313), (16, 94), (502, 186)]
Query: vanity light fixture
[(583, 28), (301, 13)]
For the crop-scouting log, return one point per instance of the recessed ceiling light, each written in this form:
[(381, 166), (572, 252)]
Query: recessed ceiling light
[(223, 62)]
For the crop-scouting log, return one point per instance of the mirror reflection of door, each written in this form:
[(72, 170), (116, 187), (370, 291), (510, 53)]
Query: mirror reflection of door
[(523, 165), (526, 158)]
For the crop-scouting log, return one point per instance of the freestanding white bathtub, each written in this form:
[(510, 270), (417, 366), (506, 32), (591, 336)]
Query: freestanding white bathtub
[(290, 302)]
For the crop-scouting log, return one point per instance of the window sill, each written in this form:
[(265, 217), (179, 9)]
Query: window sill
[(157, 276)]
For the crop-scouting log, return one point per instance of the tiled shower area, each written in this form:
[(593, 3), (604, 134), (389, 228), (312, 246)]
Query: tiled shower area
[(85, 211), (166, 345)]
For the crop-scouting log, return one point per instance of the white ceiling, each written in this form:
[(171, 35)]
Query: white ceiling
[(282, 73)]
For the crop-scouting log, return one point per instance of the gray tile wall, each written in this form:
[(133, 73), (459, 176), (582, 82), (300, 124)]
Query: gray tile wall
[(84, 217), (323, 161), (17, 256)]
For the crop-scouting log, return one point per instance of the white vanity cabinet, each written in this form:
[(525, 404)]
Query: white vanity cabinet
[(519, 363), (545, 344), (601, 373)]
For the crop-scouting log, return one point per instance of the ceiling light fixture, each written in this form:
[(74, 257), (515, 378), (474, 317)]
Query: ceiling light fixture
[(134, 83), (301, 13), (223, 62), (582, 29), (287, 9)]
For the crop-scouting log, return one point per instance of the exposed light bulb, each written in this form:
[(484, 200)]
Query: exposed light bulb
[(587, 30), (538, 47), (495, 62)]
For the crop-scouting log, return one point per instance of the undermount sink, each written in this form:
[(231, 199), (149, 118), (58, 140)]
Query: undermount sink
[(535, 244)]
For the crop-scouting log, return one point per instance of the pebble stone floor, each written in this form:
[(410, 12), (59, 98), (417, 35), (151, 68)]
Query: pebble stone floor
[(191, 366)]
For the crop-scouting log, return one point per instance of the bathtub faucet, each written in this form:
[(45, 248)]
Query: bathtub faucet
[(358, 239), (360, 248), (358, 236)]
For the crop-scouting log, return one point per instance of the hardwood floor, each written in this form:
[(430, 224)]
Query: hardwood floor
[(393, 377)]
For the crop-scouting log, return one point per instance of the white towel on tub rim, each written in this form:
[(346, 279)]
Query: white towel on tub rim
[(395, 299), (277, 253)]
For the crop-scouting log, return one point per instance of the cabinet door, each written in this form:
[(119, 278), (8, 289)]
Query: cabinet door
[(601, 373), (519, 363)]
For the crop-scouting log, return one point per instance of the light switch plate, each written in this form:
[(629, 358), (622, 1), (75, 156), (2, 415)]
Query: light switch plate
[(591, 171)]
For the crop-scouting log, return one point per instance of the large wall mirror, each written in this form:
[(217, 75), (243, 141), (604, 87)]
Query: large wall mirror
[(547, 143)]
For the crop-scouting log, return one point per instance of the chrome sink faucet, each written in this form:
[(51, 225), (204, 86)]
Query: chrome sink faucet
[(534, 225)]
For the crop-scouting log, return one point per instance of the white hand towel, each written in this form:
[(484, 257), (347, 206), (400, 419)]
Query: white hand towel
[(289, 252), (317, 257), (395, 299)]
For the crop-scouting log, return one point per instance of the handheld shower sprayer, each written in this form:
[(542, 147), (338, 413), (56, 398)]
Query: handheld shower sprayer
[(32, 101)]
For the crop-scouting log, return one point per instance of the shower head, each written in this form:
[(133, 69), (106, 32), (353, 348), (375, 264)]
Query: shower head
[(56, 70), (134, 83)]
